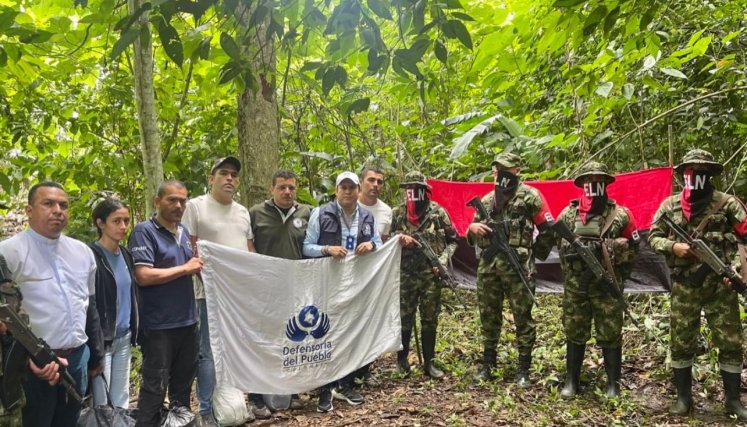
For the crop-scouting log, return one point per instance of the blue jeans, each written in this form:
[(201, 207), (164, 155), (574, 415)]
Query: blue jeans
[(116, 365), (205, 364), (50, 405)]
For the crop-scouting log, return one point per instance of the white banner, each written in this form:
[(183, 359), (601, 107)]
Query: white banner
[(279, 326)]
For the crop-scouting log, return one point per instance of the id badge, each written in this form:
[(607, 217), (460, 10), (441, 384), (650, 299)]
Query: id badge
[(350, 243)]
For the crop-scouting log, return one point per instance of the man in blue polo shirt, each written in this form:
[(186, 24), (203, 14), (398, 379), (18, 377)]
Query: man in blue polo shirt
[(164, 266)]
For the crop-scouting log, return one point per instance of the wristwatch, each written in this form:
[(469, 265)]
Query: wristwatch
[(373, 245)]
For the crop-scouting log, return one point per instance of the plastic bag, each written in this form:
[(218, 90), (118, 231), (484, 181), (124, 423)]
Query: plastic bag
[(277, 402), (229, 408), (105, 416), (178, 416)]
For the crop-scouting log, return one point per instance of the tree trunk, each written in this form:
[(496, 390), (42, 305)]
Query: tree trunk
[(258, 126), (150, 137)]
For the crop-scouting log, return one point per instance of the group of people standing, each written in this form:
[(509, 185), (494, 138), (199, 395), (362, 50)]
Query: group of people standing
[(92, 303)]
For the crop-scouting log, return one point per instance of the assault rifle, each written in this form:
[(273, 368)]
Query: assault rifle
[(499, 243), (443, 273), (37, 349), (704, 254), (595, 267)]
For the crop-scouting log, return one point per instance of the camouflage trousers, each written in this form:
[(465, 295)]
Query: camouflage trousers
[(587, 300), (12, 419), (419, 287), (721, 308), (496, 282)]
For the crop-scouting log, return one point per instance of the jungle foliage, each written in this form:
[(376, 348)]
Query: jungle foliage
[(439, 85)]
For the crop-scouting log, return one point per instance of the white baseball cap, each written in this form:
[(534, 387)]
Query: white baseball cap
[(347, 175)]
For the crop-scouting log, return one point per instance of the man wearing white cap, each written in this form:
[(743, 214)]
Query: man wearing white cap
[(339, 229)]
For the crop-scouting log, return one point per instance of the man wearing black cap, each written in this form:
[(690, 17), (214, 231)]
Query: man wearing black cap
[(518, 208), (216, 217)]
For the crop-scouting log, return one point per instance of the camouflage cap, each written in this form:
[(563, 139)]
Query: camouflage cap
[(507, 160), (590, 169), (700, 157), (414, 178)]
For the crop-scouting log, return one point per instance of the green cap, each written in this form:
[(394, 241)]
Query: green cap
[(507, 160), (590, 169), (414, 178), (700, 157)]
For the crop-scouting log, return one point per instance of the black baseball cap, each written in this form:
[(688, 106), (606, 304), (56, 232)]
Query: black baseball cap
[(230, 160)]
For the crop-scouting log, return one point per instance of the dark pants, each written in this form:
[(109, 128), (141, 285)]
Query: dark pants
[(345, 382), (169, 362), (51, 406)]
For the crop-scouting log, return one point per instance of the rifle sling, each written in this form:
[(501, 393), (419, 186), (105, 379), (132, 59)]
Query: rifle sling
[(704, 222)]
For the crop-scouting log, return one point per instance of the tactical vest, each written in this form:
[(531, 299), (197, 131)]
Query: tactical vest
[(330, 226), (432, 229), (718, 233), (516, 217), (590, 233)]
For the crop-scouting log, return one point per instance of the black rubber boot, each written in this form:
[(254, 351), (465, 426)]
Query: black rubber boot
[(429, 353), (522, 375), (613, 366), (732, 387), (488, 364), (683, 382), (402, 364), (574, 359)]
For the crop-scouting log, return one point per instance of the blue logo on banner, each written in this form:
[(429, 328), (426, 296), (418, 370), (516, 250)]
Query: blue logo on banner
[(309, 321)]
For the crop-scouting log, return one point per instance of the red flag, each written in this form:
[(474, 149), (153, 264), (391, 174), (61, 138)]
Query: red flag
[(641, 192)]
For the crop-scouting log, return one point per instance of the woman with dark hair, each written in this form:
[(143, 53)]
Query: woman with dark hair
[(116, 301)]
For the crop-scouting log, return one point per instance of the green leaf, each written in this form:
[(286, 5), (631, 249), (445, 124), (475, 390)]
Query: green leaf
[(203, 50), (648, 62), (674, 73), (170, 40), (311, 65), (453, 4), (418, 49), (3, 57), (125, 23), (229, 46), (455, 29), (513, 128), (567, 3), (258, 16), (628, 90), (594, 18), (125, 40), (440, 50), (229, 72), (611, 19), (341, 76), (359, 106), (7, 18), (604, 89), (647, 17), (462, 16), (380, 9), (328, 81)]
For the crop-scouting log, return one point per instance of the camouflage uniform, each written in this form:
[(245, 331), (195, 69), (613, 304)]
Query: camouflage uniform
[(726, 227), (9, 294), (586, 298), (496, 280), (419, 287)]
